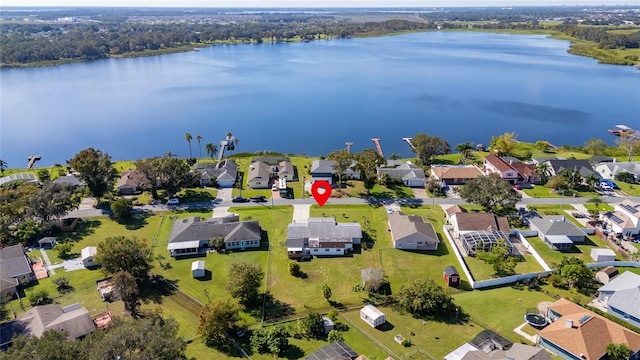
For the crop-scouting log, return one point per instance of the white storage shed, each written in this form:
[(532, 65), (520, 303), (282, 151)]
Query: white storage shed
[(87, 256), (372, 316), (600, 255), (197, 269)]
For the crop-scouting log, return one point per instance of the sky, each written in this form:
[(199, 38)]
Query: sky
[(307, 3)]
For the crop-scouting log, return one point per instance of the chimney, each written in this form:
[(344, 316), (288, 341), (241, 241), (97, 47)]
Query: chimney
[(568, 323)]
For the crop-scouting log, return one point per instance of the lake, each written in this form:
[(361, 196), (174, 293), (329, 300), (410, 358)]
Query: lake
[(313, 97)]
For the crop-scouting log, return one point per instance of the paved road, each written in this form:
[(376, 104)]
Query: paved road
[(345, 201)]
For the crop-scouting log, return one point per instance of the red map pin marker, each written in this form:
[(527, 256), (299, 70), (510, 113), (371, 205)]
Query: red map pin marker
[(321, 191)]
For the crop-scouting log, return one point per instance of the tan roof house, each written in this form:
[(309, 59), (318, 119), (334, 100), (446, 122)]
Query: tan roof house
[(129, 182), (411, 232), (455, 174), (577, 333)]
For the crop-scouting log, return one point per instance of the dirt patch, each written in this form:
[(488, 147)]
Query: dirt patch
[(39, 270)]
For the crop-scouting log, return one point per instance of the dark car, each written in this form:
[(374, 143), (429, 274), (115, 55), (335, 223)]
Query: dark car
[(239, 199), (258, 198)]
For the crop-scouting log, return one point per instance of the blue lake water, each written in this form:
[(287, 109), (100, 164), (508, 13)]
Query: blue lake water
[(313, 97)]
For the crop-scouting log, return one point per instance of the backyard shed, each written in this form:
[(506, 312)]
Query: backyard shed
[(327, 325), (197, 269), (600, 255), (87, 256), (606, 274), (372, 316), (451, 276), (47, 242)]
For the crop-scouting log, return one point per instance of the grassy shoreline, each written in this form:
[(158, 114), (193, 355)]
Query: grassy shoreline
[(577, 47)]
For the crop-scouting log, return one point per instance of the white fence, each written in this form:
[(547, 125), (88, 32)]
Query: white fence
[(632, 264), (533, 251), (510, 279)]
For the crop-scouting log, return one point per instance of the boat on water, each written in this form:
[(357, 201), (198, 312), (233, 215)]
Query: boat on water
[(619, 130)]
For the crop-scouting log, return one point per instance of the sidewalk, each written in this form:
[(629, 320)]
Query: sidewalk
[(47, 262)]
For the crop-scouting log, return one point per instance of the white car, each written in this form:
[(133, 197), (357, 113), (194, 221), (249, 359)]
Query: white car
[(173, 201), (605, 187)]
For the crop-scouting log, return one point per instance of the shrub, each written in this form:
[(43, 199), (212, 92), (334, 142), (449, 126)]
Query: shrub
[(406, 343), (122, 209), (40, 297), (63, 250), (63, 284), (335, 336), (294, 268)]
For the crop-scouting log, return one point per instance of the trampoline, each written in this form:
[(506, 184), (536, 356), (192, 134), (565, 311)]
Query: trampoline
[(535, 320)]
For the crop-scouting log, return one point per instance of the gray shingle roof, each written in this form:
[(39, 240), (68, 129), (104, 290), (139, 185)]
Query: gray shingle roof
[(69, 179), (556, 225), (324, 231), (73, 319), (405, 225), (405, 172), (624, 281), (322, 167), (259, 171), (583, 166), (13, 262), (224, 170), (627, 301), (193, 229)]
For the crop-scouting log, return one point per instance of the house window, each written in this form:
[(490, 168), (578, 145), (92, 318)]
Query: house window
[(315, 250), (326, 250)]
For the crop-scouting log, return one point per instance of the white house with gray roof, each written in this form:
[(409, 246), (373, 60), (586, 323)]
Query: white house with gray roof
[(411, 232), (622, 297), (322, 237), (410, 174), (624, 219), (324, 170), (609, 170), (557, 232), (224, 173), (15, 269), (191, 236)]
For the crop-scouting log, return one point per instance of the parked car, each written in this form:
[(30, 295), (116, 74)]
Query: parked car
[(517, 187), (605, 187), (259, 198), (274, 187), (173, 201), (239, 199)]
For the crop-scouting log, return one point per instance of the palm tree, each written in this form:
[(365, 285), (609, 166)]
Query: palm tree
[(3, 167), (465, 150), (199, 145), (543, 172), (188, 137), (596, 201), (211, 150)]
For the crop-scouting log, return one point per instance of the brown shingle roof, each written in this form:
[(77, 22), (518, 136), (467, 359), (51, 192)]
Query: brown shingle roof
[(497, 162), (456, 172), (590, 333), (403, 226), (481, 221)]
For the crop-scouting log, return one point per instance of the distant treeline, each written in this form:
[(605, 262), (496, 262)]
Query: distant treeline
[(117, 34), (24, 43)]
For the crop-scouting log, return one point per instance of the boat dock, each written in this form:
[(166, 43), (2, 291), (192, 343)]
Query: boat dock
[(625, 131), (32, 160), (378, 148)]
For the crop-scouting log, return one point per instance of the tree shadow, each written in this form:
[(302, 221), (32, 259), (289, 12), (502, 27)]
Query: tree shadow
[(224, 346), (137, 220), (274, 308), (154, 288), (293, 352), (82, 230)]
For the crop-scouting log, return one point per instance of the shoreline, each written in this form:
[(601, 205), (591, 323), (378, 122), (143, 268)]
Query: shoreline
[(577, 47)]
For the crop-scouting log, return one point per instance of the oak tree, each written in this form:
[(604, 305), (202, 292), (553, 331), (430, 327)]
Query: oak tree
[(427, 146), (216, 318), (95, 169), (490, 192), (120, 253), (244, 281)]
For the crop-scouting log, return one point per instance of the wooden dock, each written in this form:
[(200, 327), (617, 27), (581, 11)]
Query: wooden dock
[(32, 160), (378, 148)]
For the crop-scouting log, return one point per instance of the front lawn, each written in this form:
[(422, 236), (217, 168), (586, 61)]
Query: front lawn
[(355, 188)]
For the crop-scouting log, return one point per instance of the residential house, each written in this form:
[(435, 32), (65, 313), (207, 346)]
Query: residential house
[(87, 255), (15, 269), (452, 210), (74, 319), (411, 232), (223, 173), (557, 232), (455, 174), (372, 316), (558, 166), (281, 166), (609, 170), (410, 174), (322, 237), (327, 325), (493, 164), (324, 170), (510, 169), (480, 231), (624, 219), (130, 182), (259, 176), (621, 297), (69, 179), (579, 334), (516, 351), (191, 236)]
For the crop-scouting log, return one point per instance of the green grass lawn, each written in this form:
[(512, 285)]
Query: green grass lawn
[(483, 271), (580, 251), (355, 188), (629, 189)]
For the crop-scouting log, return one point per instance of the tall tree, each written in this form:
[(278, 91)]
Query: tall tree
[(427, 146), (423, 298), (489, 192), (211, 150), (629, 143), (311, 326), (270, 340), (125, 285), (96, 170), (465, 149), (595, 146), (216, 318), (368, 160), (618, 351), (53, 201), (504, 144), (188, 137), (575, 272), (199, 138), (500, 257), (120, 253), (244, 281), (326, 291), (542, 171), (573, 177), (3, 167), (168, 172), (342, 161)]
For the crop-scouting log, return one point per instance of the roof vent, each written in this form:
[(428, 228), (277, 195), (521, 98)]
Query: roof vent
[(568, 323)]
